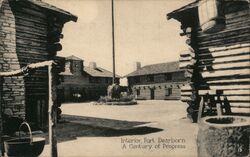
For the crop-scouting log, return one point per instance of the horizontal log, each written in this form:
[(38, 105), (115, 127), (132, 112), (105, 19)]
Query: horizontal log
[(22, 29), (232, 65), (211, 57), (228, 51), (234, 21), (229, 81), (237, 47), (229, 87), (231, 59), (226, 92), (189, 52), (185, 98), (186, 58), (33, 25), (35, 21), (33, 48), (31, 12), (186, 92), (245, 22), (238, 14), (233, 36), (189, 64), (237, 36), (224, 66), (186, 88), (239, 98), (246, 106), (203, 36), (225, 73), (236, 42), (32, 38), (237, 110)]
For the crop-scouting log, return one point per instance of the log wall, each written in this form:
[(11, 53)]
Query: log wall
[(28, 34), (222, 60), (31, 41)]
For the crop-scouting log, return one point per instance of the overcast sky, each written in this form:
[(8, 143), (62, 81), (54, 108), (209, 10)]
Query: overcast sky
[(142, 32)]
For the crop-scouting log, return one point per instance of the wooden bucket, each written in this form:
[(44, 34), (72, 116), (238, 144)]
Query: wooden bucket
[(24, 146), (211, 16)]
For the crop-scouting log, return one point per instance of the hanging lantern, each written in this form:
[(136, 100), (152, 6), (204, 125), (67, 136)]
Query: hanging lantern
[(211, 16)]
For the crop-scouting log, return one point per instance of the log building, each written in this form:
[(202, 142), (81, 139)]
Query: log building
[(30, 31), (84, 83), (218, 61), (158, 81)]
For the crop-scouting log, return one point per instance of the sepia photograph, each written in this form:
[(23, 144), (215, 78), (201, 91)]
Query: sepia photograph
[(125, 78)]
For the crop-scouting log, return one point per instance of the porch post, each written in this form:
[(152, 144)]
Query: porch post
[(52, 116)]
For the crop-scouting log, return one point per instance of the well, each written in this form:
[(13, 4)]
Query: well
[(223, 136)]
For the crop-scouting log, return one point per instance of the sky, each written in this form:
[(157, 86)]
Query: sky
[(142, 32)]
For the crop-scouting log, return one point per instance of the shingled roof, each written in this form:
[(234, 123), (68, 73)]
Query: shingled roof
[(50, 8), (156, 69), (98, 72)]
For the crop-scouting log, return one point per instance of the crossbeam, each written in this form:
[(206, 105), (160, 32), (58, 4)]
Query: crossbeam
[(26, 69)]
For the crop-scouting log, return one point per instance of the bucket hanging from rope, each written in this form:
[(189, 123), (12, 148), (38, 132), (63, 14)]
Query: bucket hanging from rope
[(211, 16)]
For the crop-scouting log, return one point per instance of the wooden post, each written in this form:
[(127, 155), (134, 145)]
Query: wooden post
[(51, 114), (113, 39), (1, 126), (218, 108), (201, 107)]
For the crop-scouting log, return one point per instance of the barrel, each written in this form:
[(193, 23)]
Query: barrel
[(211, 16), (223, 136)]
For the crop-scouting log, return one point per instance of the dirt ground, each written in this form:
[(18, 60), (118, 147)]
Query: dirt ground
[(151, 128)]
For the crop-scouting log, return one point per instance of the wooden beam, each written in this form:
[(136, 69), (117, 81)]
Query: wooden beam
[(229, 87), (52, 116), (225, 73), (245, 81), (223, 66), (225, 59)]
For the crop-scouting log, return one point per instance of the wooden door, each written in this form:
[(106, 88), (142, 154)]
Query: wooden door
[(152, 94)]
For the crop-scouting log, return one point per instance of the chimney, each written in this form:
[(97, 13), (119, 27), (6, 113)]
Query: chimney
[(92, 65), (137, 65)]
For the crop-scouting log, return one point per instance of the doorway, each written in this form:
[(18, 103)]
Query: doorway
[(152, 94)]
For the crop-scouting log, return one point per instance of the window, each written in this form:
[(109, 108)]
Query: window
[(168, 77), (61, 78), (168, 91), (107, 80), (137, 79), (94, 80), (150, 78)]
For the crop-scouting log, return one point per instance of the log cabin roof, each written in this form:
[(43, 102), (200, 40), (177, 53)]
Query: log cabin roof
[(98, 72), (189, 12), (50, 8), (176, 13), (160, 68), (186, 13)]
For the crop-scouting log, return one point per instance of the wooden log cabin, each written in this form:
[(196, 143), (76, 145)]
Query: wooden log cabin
[(218, 61), (30, 31)]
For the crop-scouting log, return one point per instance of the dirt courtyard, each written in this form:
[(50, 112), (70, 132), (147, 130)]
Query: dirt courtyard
[(151, 128)]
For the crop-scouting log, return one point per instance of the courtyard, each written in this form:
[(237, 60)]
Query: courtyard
[(150, 128)]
